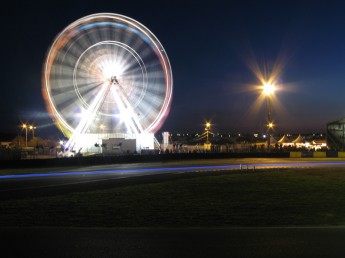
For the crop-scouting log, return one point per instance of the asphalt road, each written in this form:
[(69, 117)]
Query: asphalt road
[(29, 183)]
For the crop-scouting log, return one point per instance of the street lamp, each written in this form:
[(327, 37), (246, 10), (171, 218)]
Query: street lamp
[(268, 90), (102, 127), (31, 127), (208, 125), (26, 134)]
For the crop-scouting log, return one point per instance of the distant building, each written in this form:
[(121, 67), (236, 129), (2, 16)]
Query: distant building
[(336, 135), (5, 144)]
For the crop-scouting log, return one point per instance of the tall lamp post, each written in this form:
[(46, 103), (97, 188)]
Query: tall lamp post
[(268, 89), (26, 134), (207, 129), (31, 127), (102, 126)]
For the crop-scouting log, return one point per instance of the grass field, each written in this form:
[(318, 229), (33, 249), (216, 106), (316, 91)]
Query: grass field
[(288, 197)]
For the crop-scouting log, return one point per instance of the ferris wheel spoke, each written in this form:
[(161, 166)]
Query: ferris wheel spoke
[(62, 91), (105, 33), (133, 71), (77, 47), (61, 72), (126, 58), (126, 38), (67, 58), (93, 37), (88, 87), (84, 41), (66, 105)]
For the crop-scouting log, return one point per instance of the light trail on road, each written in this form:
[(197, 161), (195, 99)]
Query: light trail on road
[(23, 184), (167, 169)]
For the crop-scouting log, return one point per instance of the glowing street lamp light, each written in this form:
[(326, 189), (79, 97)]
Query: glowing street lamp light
[(268, 90), (31, 127), (207, 129), (26, 134), (102, 126)]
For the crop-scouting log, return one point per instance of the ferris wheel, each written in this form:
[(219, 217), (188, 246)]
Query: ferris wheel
[(107, 73)]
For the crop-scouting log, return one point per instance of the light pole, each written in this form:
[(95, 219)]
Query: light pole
[(268, 89), (26, 134), (102, 126), (31, 127), (208, 125)]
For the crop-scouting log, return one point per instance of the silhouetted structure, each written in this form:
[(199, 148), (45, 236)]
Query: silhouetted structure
[(336, 135)]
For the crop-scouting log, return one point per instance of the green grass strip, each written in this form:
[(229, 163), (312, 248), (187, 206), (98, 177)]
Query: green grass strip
[(291, 197)]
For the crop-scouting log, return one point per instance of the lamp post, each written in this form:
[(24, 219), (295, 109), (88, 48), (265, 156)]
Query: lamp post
[(26, 134), (102, 126), (208, 125), (268, 89), (31, 127)]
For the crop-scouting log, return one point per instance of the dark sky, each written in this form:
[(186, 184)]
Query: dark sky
[(212, 47)]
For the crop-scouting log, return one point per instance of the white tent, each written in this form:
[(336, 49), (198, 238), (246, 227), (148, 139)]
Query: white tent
[(299, 141), (285, 141)]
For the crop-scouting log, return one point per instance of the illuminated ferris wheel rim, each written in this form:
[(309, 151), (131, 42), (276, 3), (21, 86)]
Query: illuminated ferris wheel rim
[(120, 21)]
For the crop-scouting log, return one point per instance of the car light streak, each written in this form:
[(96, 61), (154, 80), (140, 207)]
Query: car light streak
[(162, 170)]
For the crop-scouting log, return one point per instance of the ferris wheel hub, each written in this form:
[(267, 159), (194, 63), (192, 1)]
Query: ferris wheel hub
[(113, 79)]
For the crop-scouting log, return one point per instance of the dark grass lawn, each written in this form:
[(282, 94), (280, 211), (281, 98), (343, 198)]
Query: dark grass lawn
[(289, 197)]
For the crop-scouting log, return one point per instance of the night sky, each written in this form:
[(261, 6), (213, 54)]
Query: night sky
[(212, 47)]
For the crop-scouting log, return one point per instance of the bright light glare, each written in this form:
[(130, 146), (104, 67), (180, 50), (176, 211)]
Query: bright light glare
[(110, 69), (270, 125), (268, 89)]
